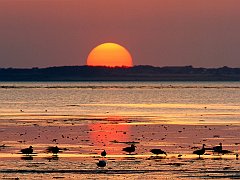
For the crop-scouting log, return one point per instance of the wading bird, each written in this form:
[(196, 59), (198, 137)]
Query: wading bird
[(103, 153), (27, 151), (129, 149), (158, 151), (200, 152), (220, 150), (101, 163), (217, 149), (55, 150)]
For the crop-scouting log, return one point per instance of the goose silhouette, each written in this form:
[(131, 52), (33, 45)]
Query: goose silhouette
[(103, 153), (200, 152), (217, 149), (55, 150), (27, 151), (101, 163), (129, 149), (158, 151)]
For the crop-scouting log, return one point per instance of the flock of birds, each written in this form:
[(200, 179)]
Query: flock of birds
[(51, 149), (102, 163)]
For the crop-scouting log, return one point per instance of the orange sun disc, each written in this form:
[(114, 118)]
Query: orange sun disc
[(110, 55)]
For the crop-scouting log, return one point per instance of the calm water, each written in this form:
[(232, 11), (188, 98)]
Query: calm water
[(87, 117), (166, 100)]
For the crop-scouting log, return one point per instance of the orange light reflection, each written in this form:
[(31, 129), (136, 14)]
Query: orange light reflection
[(111, 137)]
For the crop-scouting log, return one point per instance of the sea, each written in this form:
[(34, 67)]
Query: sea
[(85, 118)]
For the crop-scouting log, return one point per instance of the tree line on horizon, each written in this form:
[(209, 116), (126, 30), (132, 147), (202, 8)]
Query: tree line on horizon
[(141, 72)]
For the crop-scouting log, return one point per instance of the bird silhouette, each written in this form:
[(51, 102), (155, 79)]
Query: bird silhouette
[(217, 149), (158, 151), (2, 146), (101, 163), (55, 150), (179, 156), (129, 149), (103, 153), (200, 152), (27, 151)]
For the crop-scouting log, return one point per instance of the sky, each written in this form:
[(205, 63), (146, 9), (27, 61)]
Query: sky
[(43, 33)]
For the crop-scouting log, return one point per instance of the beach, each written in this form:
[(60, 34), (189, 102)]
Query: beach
[(86, 118)]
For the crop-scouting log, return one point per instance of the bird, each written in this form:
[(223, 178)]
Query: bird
[(101, 163), (27, 151), (179, 156), (158, 151), (103, 153), (220, 150), (3, 146), (200, 152), (129, 149), (55, 150), (217, 149)]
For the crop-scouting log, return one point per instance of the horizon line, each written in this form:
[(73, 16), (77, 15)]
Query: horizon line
[(119, 67)]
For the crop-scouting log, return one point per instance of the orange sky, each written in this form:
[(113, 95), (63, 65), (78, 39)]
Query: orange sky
[(156, 32)]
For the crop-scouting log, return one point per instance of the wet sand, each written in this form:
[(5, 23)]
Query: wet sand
[(85, 137)]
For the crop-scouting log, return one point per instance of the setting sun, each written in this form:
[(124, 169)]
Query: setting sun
[(111, 55)]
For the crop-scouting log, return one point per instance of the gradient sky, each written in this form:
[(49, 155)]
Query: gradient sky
[(41, 33)]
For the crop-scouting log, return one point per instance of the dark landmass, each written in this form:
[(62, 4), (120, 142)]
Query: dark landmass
[(136, 73)]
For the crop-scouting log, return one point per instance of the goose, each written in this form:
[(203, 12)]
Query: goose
[(158, 151), (129, 149), (101, 163), (200, 152), (103, 153), (220, 150), (27, 151), (55, 150), (217, 149)]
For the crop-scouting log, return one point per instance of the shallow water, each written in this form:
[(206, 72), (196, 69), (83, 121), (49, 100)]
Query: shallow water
[(87, 117)]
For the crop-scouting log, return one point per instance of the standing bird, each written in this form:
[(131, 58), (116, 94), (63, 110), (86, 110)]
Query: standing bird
[(129, 149), (200, 152), (55, 150), (158, 151), (27, 151), (220, 150), (101, 163), (103, 153), (217, 149)]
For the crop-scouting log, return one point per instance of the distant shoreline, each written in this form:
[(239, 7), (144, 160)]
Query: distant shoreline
[(136, 73)]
